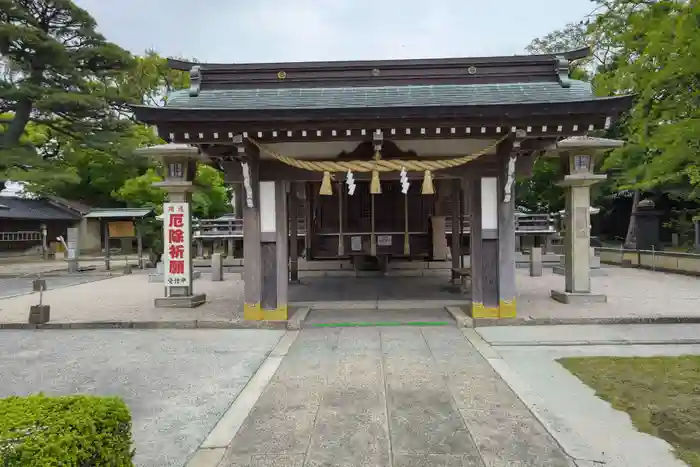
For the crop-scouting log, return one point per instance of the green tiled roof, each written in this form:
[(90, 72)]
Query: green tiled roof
[(382, 96), (119, 213)]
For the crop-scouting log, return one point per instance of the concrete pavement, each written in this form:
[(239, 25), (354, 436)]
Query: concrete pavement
[(12, 287), (389, 397), (586, 427), (592, 334), (177, 383)]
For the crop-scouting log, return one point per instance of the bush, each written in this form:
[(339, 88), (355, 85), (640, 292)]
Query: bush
[(81, 431)]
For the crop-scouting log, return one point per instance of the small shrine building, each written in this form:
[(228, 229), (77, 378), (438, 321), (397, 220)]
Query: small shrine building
[(384, 153)]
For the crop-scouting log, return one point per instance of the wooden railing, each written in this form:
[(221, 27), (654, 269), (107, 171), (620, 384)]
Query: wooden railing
[(534, 224), (217, 228)]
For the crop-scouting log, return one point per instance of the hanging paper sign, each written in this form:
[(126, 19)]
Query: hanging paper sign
[(383, 240), (405, 184), (350, 182)]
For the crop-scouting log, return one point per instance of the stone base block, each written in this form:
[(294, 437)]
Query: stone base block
[(39, 314), (191, 301), (159, 277), (577, 298)]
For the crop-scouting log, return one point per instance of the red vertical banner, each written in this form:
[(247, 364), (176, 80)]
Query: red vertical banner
[(177, 244)]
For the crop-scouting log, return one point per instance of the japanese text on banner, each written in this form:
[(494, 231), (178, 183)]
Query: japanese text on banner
[(176, 225)]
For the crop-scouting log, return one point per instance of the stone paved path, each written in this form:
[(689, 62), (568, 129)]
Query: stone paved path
[(389, 397)]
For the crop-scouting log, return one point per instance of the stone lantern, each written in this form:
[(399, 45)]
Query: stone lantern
[(648, 220), (179, 162), (577, 156)]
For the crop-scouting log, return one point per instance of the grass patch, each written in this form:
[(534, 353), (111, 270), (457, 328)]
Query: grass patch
[(661, 395)]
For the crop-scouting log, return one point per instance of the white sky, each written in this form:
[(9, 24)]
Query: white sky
[(302, 30)]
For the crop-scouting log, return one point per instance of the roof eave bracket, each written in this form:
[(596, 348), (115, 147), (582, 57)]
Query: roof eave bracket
[(562, 70)]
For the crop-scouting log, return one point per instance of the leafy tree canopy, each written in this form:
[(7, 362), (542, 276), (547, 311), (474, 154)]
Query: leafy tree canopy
[(210, 200), (656, 59), (59, 73)]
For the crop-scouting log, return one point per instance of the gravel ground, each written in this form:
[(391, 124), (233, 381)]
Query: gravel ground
[(177, 383)]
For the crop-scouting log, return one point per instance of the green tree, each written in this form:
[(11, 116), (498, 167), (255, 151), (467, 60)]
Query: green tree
[(539, 191), (210, 200), (97, 173), (572, 36), (57, 72), (92, 173), (657, 60), (150, 81)]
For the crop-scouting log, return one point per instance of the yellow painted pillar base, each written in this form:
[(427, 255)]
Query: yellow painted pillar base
[(254, 312), (506, 309), (278, 314)]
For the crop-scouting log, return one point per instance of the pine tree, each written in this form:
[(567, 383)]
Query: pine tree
[(57, 74)]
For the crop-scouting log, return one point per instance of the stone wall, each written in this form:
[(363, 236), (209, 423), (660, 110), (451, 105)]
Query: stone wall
[(667, 261)]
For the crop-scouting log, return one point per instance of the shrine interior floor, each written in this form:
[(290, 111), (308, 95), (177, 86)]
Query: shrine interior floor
[(375, 289)]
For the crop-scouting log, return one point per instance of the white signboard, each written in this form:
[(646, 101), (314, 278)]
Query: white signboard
[(72, 243), (383, 240), (356, 243), (178, 241)]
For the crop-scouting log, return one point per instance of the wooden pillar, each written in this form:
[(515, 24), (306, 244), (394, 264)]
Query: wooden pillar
[(252, 278), (281, 311), (467, 201), (456, 227), (341, 220), (139, 241), (238, 196), (506, 238), (439, 234), (309, 219), (293, 233), (485, 251), (489, 278), (273, 250), (106, 233)]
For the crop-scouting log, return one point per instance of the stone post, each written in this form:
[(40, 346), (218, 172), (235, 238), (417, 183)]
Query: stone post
[(230, 248), (697, 233), (180, 167), (535, 261), (578, 181), (217, 267)]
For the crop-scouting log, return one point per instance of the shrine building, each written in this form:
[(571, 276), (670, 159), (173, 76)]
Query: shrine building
[(386, 155)]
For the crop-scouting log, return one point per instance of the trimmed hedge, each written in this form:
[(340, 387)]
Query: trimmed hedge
[(81, 431)]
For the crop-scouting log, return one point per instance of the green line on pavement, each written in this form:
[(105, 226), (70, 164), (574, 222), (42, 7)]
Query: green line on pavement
[(380, 323)]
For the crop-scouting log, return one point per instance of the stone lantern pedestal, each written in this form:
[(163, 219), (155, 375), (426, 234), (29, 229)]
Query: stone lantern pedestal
[(180, 167), (577, 155)]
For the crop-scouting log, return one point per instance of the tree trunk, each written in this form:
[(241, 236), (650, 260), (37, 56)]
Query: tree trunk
[(19, 122), (631, 237)]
